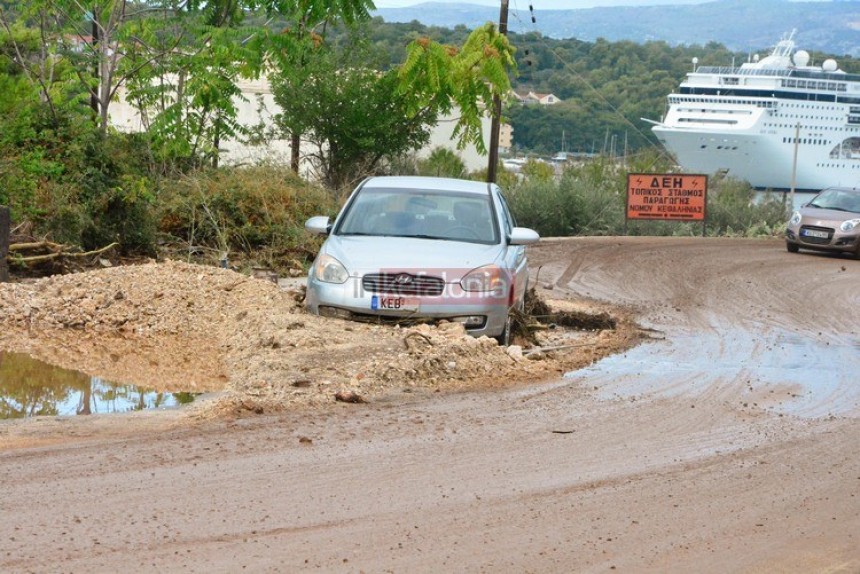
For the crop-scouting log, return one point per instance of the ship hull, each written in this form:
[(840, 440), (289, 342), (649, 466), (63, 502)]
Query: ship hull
[(764, 161)]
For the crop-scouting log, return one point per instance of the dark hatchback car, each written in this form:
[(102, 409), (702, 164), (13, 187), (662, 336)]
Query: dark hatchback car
[(830, 222)]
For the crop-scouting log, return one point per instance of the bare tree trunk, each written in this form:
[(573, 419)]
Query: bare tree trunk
[(5, 224), (94, 94), (216, 143), (295, 143)]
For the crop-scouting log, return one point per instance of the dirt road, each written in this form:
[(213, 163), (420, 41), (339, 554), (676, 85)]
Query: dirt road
[(727, 443)]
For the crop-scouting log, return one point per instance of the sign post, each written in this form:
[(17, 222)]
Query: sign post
[(667, 197), (5, 224)]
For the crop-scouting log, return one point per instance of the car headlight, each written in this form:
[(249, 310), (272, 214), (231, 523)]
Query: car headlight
[(489, 278), (795, 218), (329, 270), (849, 225)]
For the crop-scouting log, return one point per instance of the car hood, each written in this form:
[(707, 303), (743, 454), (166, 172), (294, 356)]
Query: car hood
[(826, 217), (402, 254)]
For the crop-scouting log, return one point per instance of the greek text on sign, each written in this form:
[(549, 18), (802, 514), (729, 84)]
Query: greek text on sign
[(679, 197)]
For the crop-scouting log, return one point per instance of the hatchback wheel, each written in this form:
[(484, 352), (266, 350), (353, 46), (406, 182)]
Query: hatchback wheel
[(792, 247)]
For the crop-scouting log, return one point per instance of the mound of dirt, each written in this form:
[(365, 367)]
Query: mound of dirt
[(180, 327)]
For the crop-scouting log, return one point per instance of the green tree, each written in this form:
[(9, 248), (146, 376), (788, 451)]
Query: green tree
[(354, 117), (436, 77), (89, 42), (292, 49), (187, 100), (442, 162)]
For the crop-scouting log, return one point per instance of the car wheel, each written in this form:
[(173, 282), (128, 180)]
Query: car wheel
[(792, 247), (504, 338)]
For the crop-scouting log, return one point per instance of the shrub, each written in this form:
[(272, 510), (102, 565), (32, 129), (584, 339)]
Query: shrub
[(243, 210), (589, 199), (122, 213)]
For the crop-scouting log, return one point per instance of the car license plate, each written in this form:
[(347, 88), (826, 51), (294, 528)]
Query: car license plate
[(378, 303), (815, 233)]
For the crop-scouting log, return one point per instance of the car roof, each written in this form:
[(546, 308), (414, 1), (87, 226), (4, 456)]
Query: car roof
[(421, 183)]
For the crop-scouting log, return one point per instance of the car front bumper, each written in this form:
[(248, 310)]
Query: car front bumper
[(837, 240), (350, 301)]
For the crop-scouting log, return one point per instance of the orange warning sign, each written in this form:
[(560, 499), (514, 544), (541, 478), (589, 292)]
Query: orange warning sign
[(675, 196)]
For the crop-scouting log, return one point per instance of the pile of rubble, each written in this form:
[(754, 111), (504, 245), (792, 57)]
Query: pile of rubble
[(180, 327)]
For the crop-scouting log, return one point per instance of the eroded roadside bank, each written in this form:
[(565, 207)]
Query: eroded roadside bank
[(177, 327)]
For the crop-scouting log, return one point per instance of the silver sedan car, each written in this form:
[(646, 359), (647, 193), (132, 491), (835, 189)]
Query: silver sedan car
[(422, 247), (830, 222)]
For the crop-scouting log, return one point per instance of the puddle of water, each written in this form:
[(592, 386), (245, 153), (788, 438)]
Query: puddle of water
[(29, 387), (796, 375)]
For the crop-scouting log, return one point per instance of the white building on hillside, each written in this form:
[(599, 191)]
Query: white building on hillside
[(536, 98)]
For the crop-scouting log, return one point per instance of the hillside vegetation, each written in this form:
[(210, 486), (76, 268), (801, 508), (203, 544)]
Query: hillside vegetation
[(606, 87), (71, 178)]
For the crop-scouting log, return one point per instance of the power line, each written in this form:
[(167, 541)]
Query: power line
[(569, 67)]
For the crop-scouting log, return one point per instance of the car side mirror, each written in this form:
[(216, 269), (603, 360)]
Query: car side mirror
[(523, 236), (318, 224)]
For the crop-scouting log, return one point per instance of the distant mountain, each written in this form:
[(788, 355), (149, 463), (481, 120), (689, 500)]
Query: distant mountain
[(832, 27)]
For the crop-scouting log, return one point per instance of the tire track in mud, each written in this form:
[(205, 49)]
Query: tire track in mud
[(752, 326)]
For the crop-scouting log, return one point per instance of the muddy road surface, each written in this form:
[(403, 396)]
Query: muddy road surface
[(727, 442)]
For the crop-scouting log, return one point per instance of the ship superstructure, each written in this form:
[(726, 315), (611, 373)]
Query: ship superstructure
[(748, 122)]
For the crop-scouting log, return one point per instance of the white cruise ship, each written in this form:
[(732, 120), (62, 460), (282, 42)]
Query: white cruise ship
[(749, 122)]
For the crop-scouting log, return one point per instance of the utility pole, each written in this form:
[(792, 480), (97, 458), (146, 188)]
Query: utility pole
[(794, 166), (496, 119)]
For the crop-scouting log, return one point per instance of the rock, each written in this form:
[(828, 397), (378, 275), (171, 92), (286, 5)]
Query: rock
[(449, 328), (348, 397), (515, 352)]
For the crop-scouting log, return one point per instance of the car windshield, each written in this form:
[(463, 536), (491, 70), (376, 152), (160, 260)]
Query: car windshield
[(838, 200), (424, 214)]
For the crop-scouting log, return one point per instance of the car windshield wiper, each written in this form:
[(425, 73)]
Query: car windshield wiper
[(439, 238), (425, 236), (410, 236)]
